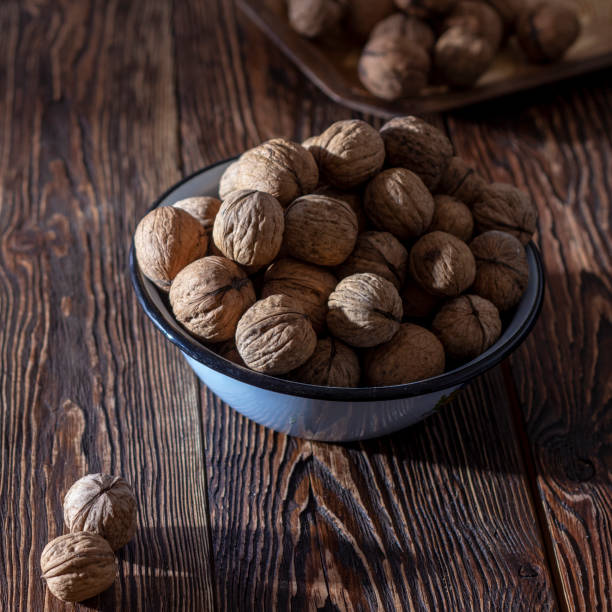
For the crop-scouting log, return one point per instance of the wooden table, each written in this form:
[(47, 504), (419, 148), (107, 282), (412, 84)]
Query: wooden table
[(500, 502)]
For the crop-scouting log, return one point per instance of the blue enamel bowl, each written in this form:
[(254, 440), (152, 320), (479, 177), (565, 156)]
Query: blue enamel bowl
[(315, 412)]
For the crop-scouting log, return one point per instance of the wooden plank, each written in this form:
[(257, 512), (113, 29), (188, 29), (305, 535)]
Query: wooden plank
[(557, 145), (88, 137)]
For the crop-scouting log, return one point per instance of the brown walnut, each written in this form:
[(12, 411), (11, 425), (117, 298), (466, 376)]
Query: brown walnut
[(102, 504), (396, 200), (363, 15), (461, 181), (166, 240), (333, 364), (405, 27), (209, 296), (418, 303), (478, 18), (312, 18), (502, 269), (249, 227), (275, 336), (77, 566), (425, 9), (508, 10), (308, 284), (418, 146), (203, 208), (442, 264), (453, 217), (507, 209), (467, 326), (364, 310), (414, 353), (352, 198), (320, 230)]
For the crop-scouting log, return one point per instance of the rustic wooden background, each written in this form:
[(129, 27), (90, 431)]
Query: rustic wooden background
[(501, 502)]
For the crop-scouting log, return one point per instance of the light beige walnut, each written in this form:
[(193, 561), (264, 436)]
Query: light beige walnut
[(453, 217), (165, 241), (405, 27), (364, 310), (209, 296), (363, 15), (418, 303), (461, 181), (311, 18), (203, 208)]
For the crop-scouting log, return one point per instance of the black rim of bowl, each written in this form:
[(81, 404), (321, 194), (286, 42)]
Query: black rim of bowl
[(458, 376)]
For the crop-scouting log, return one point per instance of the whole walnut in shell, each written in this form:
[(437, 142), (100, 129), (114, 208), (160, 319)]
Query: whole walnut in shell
[(209, 296), (333, 364), (414, 353), (502, 269), (546, 30), (363, 15), (408, 28), (320, 230), (467, 326), (418, 303), (249, 227), (442, 264), (282, 168), (77, 566), (476, 17), (506, 208), (453, 217), (102, 504), (165, 241), (308, 284), (312, 18), (364, 310), (203, 208), (275, 336), (461, 181), (379, 253), (396, 200), (426, 9), (418, 146), (391, 67), (349, 153)]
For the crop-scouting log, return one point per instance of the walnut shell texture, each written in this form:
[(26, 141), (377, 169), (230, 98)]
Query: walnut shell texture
[(453, 217), (442, 264), (249, 227), (461, 181), (418, 303), (312, 18), (364, 310), (320, 230), (275, 336), (102, 504), (166, 240), (467, 326), (502, 269), (418, 146), (308, 284), (406, 27), (414, 353), (209, 296), (396, 200), (479, 18), (426, 9), (333, 364), (506, 208), (77, 566), (203, 208), (363, 15)]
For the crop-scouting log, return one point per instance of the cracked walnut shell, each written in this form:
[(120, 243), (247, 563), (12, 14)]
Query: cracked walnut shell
[(203, 208), (452, 216)]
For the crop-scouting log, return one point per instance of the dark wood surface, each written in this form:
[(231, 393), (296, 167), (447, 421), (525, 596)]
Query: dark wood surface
[(500, 502)]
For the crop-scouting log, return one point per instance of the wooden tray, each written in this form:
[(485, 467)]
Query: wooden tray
[(332, 65)]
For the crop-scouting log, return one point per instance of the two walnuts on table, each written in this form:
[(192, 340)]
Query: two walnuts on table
[(411, 43), (328, 261)]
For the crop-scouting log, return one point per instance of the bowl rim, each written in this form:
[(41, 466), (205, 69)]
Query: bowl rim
[(453, 378)]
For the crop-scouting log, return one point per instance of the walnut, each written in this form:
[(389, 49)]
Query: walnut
[(425, 9), (502, 270), (308, 284), (249, 227), (396, 200), (478, 18), (166, 240), (418, 146), (414, 353), (453, 217), (364, 310), (442, 264), (407, 28), (312, 18), (77, 566), (333, 364), (418, 303), (352, 198), (203, 208), (508, 10), (391, 67), (506, 208), (274, 336), (467, 326), (546, 30), (461, 181), (228, 351), (209, 296), (102, 504), (349, 153), (363, 15), (320, 230), (380, 253), (282, 168)]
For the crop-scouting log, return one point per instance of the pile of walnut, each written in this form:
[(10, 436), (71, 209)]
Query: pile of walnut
[(333, 264), (100, 514), (411, 43)]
